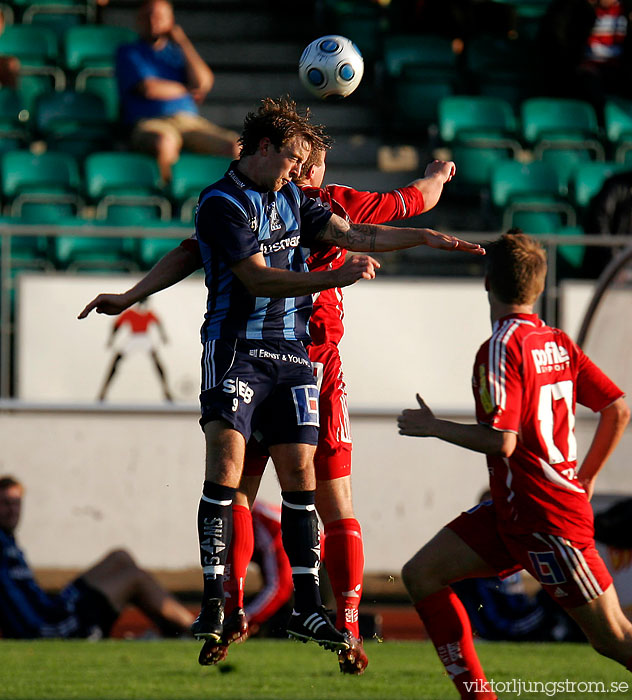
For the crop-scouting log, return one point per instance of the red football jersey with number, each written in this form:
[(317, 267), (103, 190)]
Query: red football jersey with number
[(527, 379), (325, 324)]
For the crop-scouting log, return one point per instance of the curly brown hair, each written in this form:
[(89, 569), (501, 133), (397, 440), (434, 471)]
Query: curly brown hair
[(515, 265), (280, 121)]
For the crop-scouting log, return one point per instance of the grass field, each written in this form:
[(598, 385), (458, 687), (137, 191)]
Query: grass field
[(284, 670)]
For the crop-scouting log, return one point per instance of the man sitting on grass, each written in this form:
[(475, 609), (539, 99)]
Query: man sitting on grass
[(89, 606)]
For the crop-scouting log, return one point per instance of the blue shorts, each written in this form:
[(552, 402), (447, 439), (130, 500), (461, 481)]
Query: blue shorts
[(263, 386)]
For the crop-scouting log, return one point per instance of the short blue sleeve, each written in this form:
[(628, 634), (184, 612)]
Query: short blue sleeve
[(222, 225)]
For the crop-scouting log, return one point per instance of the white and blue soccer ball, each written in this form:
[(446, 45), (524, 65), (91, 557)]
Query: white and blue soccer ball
[(331, 67)]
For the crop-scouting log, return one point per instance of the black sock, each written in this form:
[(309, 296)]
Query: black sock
[(301, 541), (215, 526)]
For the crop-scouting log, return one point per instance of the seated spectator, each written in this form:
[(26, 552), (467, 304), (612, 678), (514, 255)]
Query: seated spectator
[(9, 65), (89, 606), (162, 79), (609, 213), (586, 49)]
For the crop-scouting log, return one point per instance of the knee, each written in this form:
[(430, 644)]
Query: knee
[(409, 574), (121, 559), (161, 145), (167, 148)]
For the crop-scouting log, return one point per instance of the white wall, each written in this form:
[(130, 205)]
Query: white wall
[(98, 478)]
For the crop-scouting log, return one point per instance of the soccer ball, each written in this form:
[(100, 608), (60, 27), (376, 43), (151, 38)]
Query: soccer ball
[(331, 67)]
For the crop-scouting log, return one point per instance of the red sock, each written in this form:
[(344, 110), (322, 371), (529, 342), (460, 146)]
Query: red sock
[(242, 546), (448, 626), (344, 559)]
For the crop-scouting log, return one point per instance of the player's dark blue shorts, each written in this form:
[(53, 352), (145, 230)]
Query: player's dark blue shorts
[(261, 385)]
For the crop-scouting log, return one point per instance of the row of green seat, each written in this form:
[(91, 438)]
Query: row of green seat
[(121, 187), (54, 13), (482, 131), (76, 122), (90, 46)]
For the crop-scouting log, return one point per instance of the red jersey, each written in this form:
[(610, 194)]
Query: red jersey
[(527, 379), (325, 324), (139, 321)]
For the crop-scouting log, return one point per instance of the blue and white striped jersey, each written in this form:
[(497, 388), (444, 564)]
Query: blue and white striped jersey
[(235, 220)]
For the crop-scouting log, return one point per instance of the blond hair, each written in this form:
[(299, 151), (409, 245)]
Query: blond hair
[(515, 265)]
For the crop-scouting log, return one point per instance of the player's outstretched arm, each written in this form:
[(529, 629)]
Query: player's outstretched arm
[(431, 184), (173, 267), (263, 281), (421, 422), (373, 238), (612, 422)]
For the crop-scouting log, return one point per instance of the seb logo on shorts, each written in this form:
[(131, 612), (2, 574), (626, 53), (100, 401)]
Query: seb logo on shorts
[(236, 386)]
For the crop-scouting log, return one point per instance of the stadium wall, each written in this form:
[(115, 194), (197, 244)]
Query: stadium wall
[(112, 474), (96, 481)]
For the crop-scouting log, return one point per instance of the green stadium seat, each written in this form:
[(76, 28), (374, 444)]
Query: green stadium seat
[(59, 21), (423, 51), (31, 86), (467, 118), (91, 49), (13, 117), (117, 180), (500, 67), (561, 123), (84, 10), (28, 252), (618, 125), (36, 48), (572, 255), (190, 175), (566, 161), (75, 122), (481, 131), (42, 187), (475, 164), (152, 248), (33, 45), (106, 87), (589, 178), (517, 187), (415, 99)]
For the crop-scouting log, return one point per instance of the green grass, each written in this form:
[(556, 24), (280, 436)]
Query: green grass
[(283, 670)]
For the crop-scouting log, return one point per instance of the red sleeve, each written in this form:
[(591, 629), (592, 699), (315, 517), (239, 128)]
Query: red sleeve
[(191, 246), (595, 389), (378, 207)]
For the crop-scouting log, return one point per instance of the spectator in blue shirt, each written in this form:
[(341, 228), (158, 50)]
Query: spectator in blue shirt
[(162, 79), (90, 605)]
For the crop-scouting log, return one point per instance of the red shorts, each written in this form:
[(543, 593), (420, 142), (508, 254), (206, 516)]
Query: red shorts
[(571, 573), (333, 454)]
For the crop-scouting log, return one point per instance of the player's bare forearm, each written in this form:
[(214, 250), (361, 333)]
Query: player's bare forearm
[(263, 281), (173, 267), (373, 238), (612, 423), (431, 184), (422, 422)]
